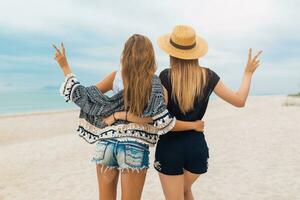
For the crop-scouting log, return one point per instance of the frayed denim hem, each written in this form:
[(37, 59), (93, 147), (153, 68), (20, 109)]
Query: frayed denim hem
[(105, 168), (132, 169)]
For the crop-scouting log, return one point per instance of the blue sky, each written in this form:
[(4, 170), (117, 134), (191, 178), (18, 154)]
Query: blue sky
[(94, 33)]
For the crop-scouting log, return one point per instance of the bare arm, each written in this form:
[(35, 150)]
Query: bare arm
[(60, 56), (179, 125), (239, 98), (106, 84)]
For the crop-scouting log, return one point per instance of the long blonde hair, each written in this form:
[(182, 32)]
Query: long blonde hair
[(188, 82), (138, 67)]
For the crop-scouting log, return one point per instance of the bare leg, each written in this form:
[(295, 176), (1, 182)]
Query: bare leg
[(107, 182), (132, 183), (189, 179), (173, 186)]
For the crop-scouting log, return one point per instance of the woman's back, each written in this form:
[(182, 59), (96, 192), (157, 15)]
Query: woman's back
[(200, 103), (181, 151)]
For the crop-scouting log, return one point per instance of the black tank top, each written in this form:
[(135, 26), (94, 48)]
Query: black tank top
[(200, 104)]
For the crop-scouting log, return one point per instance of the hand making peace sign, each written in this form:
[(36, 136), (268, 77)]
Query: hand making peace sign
[(252, 63), (60, 57)]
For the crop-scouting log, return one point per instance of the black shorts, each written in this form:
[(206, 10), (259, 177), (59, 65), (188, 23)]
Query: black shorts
[(176, 152)]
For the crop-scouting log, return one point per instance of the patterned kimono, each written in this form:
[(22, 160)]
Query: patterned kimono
[(95, 106)]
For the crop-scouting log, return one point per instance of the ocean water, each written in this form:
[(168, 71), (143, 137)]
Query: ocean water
[(15, 102), (32, 101)]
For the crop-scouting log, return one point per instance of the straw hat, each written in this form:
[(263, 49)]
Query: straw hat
[(183, 43)]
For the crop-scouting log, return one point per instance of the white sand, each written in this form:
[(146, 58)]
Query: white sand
[(254, 155)]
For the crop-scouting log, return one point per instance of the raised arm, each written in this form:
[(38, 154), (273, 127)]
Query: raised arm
[(90, 99), (106, 84), (239, 98)]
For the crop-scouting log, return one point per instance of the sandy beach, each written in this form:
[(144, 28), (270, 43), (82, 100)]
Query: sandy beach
[(254, 155)]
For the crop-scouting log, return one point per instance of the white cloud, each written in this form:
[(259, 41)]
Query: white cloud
[(223, 23), (230, 26), (62, 17), (233, 17)]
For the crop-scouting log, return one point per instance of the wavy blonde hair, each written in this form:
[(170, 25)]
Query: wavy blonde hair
[(188, 82), (138, 67)]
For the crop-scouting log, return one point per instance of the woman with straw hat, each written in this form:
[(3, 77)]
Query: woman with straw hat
[(181, 158)]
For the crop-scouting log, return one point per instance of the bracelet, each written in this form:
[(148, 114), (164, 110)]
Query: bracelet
[(114, 116)]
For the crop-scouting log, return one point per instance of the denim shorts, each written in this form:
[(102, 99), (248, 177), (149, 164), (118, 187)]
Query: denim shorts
[(112, 153)]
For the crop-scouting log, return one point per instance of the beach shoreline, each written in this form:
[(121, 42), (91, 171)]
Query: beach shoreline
[(59, 109), (38, 112)]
